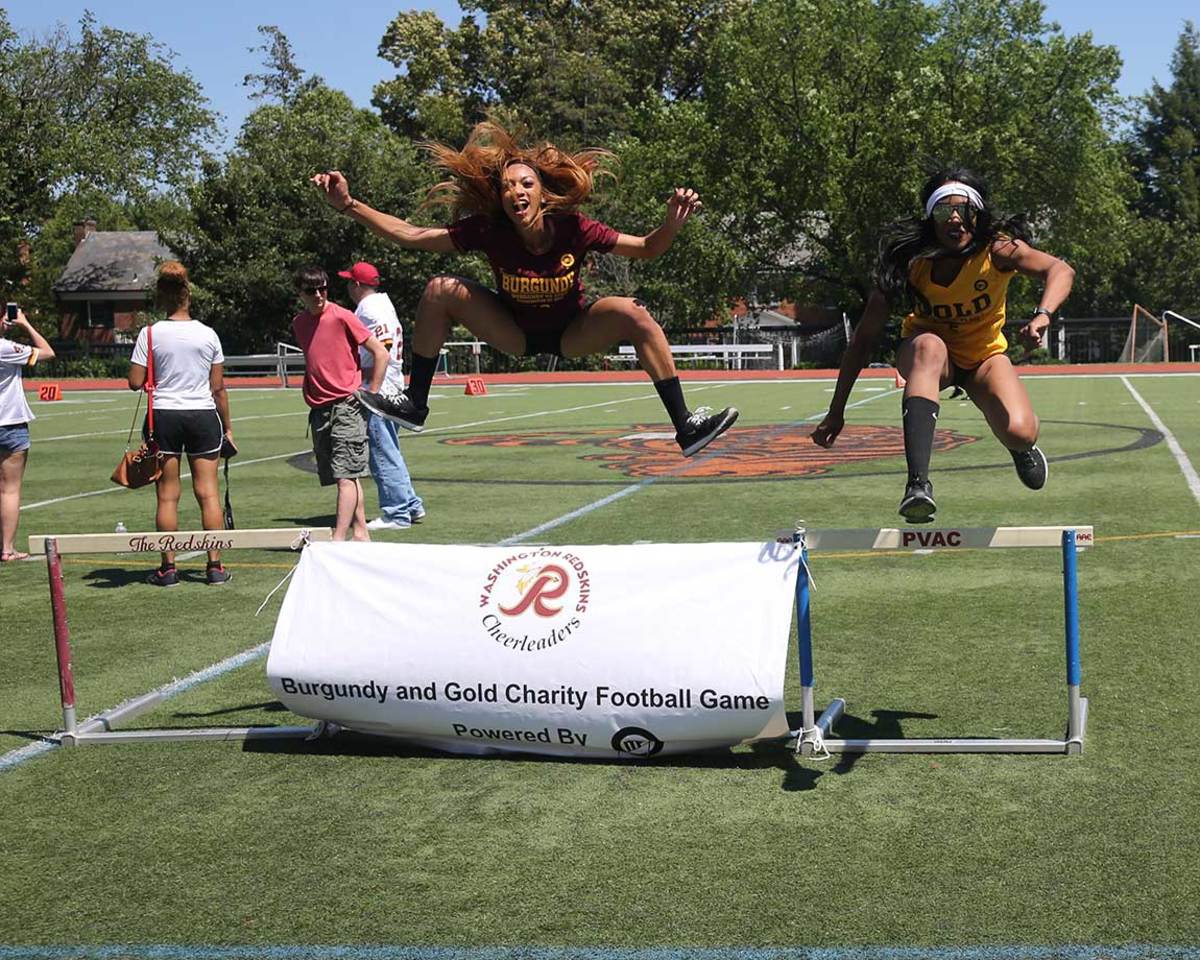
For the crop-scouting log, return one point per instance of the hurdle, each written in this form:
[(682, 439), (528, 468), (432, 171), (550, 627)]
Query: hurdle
[(102, 727), (814, 738)]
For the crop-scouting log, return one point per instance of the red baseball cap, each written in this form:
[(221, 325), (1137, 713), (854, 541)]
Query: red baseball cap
[(362, 272)]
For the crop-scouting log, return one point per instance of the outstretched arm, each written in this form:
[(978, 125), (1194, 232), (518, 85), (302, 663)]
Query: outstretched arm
[(1056, 275), (337, 194), (680, 206), (858, 353)]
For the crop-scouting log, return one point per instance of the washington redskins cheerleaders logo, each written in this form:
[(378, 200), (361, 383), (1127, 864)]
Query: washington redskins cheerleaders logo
[(758, 453), (535, 599)]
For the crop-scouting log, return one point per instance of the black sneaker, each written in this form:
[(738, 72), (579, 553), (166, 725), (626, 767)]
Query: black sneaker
[(395, 405), (917, 505), (163, 577), (703, 427), (1031, 466), (217, 574)]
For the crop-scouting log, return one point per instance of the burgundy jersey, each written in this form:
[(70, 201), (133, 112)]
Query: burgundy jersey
[(544, 291)]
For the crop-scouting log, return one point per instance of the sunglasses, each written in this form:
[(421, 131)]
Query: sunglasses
[(944, 211), (313, 291)]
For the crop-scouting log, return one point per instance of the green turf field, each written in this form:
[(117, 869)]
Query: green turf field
[(360, 843)]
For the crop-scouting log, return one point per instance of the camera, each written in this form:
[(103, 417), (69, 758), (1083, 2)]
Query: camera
[(12, 312)]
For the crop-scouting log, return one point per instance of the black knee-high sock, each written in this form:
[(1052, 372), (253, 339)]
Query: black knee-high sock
[(920, 419), (420, 377), (671, 394)]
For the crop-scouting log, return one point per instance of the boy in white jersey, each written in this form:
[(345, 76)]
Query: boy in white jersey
[(399, 505)]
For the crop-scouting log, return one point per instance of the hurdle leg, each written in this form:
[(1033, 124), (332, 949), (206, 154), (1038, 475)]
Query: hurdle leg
[(1076, 704), (814, 729), (62, 640)]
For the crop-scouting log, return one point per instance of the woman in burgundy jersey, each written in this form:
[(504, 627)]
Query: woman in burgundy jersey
[(518, 206)]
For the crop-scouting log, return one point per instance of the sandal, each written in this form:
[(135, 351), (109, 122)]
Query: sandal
[(13, 555)]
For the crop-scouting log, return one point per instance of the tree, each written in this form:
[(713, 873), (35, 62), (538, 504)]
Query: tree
[(1166, 152), (571, 69), (820, 118), (282, 77), (257, 217), (106, 112)]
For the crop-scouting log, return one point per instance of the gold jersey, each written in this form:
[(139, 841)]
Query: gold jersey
[(967, 313)]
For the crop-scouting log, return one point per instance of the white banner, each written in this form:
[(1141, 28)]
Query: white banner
[(592, 651)]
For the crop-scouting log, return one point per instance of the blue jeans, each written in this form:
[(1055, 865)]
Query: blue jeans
[(398, 501)]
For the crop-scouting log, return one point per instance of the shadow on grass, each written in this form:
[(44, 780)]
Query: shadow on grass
[(323, 520), (266, 706), (348, 743), (109, 578), (886, 725)]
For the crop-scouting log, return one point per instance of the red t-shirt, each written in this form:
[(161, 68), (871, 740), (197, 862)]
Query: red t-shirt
[(330, 344), (544, 291)]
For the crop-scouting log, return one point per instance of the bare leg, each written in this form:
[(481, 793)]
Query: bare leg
[(349, 511), (166, 517), (12, 469), (450, 300), (998, 392), (924, 363), (613, 319), (207, 491), (359, 528)]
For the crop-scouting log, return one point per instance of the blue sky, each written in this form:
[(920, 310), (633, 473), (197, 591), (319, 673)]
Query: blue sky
[(339, 41)]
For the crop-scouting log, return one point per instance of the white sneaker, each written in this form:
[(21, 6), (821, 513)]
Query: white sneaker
[(383, 523)]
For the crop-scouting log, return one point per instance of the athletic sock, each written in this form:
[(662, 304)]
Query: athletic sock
[(920, 419), (670, 392), (420, 378)]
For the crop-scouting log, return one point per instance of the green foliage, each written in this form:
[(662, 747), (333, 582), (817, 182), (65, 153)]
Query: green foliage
[(572, 69), (105, 112), (821, 119), (257, 216)]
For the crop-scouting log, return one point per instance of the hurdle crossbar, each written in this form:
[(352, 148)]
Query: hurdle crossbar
[(815, 736), (102, 727)]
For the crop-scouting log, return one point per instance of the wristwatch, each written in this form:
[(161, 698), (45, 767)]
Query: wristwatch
[(1037, 310)]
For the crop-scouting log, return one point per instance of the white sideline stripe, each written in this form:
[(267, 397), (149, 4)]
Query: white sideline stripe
[(184, 474), (643, 484), (16, 757), (1189, 472)]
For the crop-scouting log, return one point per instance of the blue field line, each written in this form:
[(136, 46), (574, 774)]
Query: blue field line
[(175, 687), (167, 952)]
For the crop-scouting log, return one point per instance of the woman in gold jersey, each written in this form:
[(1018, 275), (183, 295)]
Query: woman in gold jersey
[(953, 266)]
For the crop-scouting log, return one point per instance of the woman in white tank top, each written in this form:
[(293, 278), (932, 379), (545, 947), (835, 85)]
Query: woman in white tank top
[(191, 412)]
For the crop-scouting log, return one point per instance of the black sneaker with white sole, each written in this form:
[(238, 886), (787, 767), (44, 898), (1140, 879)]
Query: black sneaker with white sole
[(1031, 466), (396, 406), (917, 505), (703, 427)]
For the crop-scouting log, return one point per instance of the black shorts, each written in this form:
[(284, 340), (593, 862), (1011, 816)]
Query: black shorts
[(195, 432)]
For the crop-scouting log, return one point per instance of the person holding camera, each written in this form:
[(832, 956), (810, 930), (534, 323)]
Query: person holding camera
[(191, 413), (15, 416)]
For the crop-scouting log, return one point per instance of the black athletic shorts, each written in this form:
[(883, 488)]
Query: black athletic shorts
[(196, 432)]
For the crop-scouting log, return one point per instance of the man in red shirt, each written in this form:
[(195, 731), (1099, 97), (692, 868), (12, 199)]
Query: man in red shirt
[(330, 337)]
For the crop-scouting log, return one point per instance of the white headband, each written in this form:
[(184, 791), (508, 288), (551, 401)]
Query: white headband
[(951, 189)]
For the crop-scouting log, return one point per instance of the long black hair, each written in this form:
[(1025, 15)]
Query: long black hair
[(911, 238)]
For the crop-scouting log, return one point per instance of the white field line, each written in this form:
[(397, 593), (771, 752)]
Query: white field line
[(184, 474), (643, 484), (16, 757), (1181, 458)]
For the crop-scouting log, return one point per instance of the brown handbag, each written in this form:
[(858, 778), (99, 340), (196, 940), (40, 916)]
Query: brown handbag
[(142, 466)]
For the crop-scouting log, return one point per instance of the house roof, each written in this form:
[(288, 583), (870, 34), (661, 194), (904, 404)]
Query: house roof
[(113, 262)]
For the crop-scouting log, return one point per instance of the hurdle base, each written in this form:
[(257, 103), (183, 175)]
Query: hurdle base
[(813, 741), (101, 728), (81, 737)]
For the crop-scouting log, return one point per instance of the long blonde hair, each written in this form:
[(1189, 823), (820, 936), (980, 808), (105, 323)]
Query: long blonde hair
[(474, 171), (172, 291)]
